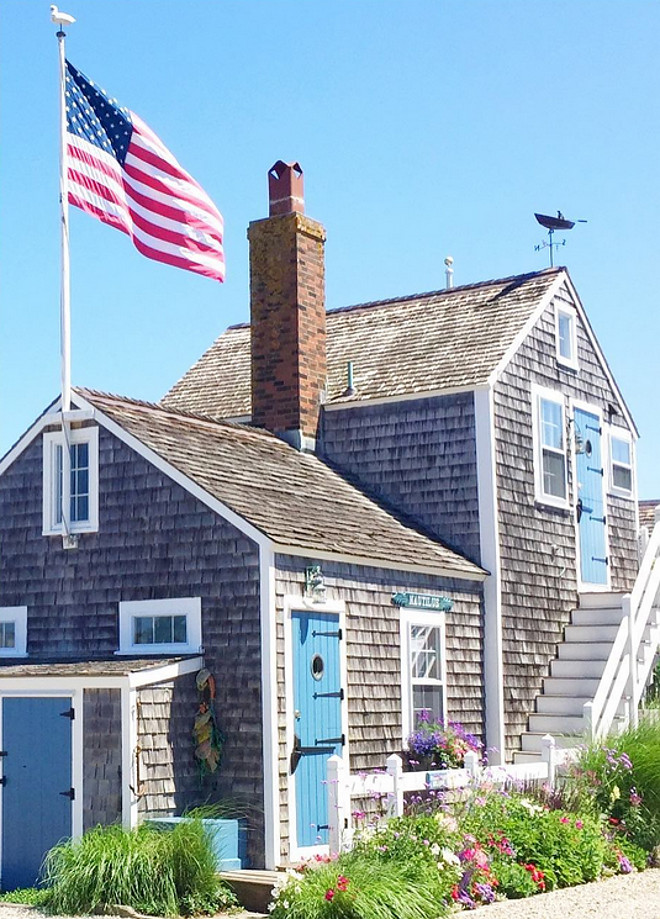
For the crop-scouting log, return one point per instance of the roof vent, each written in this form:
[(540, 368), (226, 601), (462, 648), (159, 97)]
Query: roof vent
[(449, 272), (285, 189)]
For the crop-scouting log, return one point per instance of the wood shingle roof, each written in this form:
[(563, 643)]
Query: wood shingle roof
[(442, 340), (293, 498)]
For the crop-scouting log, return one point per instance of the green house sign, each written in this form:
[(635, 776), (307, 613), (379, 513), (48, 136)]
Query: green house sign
[(422, 601)]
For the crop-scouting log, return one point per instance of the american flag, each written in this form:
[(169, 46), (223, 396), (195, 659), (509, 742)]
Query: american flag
[(120, 172)]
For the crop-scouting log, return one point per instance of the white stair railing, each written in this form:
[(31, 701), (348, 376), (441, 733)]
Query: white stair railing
[(629, 663)]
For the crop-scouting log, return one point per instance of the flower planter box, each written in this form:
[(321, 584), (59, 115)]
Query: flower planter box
[(228, 838)]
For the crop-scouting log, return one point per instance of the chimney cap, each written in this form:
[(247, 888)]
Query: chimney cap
[(285, 189)]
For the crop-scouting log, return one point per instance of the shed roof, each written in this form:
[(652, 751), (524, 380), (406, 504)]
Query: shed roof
[(442, 340), (293, 498), (647, 513), (114, 667)]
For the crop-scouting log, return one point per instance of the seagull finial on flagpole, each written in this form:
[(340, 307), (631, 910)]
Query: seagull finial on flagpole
[(59, 18)]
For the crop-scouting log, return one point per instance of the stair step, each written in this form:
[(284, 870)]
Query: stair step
[(597, 599), (576, 668), (560, 705), (591, 633), (582, 687), (611, 616), (531, 742), (252, 888), (556, 724), (585, 651)]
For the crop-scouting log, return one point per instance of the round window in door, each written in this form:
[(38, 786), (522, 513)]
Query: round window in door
[(317, 667)]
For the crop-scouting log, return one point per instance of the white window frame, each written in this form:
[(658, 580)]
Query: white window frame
[(622, 434), (410, 617), (17, 615), (550, 395), (571, 313), (51, 441), (190, 607)]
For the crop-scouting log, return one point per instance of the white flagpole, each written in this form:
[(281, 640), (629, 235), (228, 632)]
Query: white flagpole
[(62, 19)]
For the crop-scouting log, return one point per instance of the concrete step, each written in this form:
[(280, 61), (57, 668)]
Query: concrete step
[(252, 888), (576, 668), (556, 724), (531, 742), (597, 599), (597, 616), (585, 651), (560, 705), (577, 687), (591, 633)]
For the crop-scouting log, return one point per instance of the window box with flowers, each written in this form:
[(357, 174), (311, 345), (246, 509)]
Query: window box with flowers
[(439, 745)]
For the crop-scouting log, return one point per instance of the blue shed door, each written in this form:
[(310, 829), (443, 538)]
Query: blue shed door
[(317, 696), (590, 503), (36, 795)]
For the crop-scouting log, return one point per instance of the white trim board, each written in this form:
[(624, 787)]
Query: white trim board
[(42, 685), (269, 710)]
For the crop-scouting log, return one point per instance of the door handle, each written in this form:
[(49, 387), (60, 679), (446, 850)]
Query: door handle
[(70, 794), (296, 754), (578, 509)]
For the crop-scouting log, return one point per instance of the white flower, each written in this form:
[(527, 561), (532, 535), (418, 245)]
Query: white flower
[(449, 857), (435, 849)]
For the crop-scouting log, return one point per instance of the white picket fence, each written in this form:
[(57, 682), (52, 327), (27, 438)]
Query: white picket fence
[(393, 783)]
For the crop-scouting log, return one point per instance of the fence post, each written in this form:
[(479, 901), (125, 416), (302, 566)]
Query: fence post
[(633, 651), (471, 765), (588, 720), (549, 756), (394, 769), (338, 814)]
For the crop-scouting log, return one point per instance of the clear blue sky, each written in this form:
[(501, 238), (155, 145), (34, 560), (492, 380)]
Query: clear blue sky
[(423, 128)]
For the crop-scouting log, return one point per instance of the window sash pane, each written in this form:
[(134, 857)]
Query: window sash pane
[(620, 451), (622, 477), (565, 327), (554, 474), (425, 652), (552, 424), (427, 699), (160, 630), (7, 635)]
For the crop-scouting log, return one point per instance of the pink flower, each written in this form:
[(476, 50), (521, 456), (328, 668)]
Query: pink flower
[(329, 894), (578, 824), (564, 820), (342, 882)]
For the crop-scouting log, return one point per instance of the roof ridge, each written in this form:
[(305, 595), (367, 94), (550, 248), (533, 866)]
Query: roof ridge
[(445, 291), (206, 420)]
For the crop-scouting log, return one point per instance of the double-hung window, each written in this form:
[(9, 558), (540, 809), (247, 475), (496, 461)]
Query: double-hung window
[(166, 626), (422, 666), (621, 463), (13, 631), (566, 336), (550, 460), (76, 497)]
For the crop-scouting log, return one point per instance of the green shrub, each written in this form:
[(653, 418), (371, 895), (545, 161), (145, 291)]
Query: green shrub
[(567, 848), (359, 886), (621, 781), (29, 896), (154, 871)]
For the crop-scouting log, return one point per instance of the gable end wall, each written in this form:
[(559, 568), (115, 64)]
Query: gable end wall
[(537, 543)]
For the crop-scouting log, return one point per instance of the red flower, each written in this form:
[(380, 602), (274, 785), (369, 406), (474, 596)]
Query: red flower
[(342, 882), (329, 894)]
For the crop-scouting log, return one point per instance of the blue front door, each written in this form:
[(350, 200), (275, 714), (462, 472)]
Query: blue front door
[(590, 503), (317, 696), (36, 794)]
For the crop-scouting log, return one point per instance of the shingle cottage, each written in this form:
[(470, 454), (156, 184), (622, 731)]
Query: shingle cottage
[(337, 519)]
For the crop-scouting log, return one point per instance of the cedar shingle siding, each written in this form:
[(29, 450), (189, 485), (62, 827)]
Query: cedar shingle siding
[(101, 757), (419, 456), (374, 657), (155, 540), (538, 543)]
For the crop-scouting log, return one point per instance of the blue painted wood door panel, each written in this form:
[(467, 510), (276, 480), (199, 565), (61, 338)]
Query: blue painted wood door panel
[(591, 510), (36, 739), (317, 724)]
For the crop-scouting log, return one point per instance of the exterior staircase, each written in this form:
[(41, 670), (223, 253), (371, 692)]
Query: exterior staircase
[(602, 666)]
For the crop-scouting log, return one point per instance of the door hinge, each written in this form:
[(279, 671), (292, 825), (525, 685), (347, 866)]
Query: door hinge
[(69, 713), (595, 558), (330, 695), (326, 741), (336, 634), (70, 794), (596, 469), (322, 826), (3, 780), (3, 752)]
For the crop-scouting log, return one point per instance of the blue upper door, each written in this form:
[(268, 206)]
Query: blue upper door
[(36, 790), (590, 498), (317, 698)]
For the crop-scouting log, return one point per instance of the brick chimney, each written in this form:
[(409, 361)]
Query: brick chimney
[(287, 308)]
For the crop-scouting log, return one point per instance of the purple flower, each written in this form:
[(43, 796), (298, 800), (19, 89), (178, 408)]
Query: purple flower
[(486, 892), (625, 866)]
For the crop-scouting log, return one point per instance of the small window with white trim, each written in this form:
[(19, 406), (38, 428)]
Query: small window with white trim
[(13, 631), (549, 434), (621, 463), (76, 497), (566, 336), (172, 626), (422, 667)]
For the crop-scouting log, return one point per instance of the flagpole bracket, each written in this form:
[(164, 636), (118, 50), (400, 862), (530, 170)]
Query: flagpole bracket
[(70, 541)]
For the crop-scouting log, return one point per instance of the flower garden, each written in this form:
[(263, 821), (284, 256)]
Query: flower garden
[(454, 851)]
